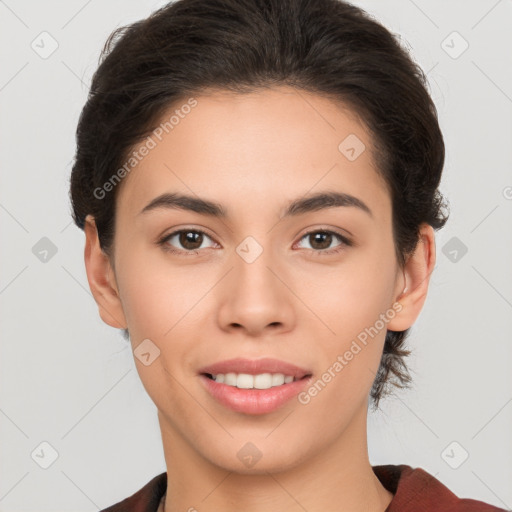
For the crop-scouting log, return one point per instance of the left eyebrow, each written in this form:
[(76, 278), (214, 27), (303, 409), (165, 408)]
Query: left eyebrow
[(324, 200), (310, 203)]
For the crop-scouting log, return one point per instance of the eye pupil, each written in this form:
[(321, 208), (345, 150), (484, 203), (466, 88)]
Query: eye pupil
[(187, 237), (318, 237)]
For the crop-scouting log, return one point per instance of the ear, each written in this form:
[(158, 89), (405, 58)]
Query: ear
[(417, 272), (101, 278)]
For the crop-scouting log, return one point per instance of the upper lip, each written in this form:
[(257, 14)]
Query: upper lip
[(255, 367)]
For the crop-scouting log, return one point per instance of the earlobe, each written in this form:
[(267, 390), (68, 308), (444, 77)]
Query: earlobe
[(101, 278), (417, 272)]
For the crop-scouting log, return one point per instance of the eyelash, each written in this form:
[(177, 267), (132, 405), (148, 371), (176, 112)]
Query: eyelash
[(345, 242)]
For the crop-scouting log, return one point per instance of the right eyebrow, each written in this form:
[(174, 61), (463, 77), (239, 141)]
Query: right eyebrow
[(186, 202)]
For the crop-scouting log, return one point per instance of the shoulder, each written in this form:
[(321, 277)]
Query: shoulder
[(145, 499), (415, 486)]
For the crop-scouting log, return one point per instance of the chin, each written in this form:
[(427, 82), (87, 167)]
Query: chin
[(257, 457)]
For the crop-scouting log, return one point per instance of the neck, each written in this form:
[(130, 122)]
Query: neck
[(340, 476)]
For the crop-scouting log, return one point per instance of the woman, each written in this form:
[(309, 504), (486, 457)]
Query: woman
[(258, 185)]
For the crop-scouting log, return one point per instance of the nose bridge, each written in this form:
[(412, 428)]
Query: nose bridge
[(254, 297), (253, 260)]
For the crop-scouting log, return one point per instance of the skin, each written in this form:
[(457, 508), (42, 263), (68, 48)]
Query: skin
[(254, 154)]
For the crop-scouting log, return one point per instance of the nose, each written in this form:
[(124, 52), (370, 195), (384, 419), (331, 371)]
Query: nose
[(256, 296)]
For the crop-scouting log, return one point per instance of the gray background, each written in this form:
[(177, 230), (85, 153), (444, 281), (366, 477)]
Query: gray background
[(69, 380)]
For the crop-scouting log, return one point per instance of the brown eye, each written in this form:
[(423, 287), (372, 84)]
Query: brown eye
[(190, 239), (320, 241), (184, 241)]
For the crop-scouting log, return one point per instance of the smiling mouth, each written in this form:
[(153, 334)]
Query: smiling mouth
[(248, 381)]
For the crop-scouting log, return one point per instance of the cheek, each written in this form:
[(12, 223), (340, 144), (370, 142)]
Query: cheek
[(146, 305), (355, 301), (159, 303), (156, 294), (348, 361), (351, 296)]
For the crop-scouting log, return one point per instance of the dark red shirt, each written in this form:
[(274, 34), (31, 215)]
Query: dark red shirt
[(414, 490)]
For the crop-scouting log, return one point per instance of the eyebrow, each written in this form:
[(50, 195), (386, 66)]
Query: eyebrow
[(310, 203)]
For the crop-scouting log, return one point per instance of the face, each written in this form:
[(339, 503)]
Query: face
[(305, 287)]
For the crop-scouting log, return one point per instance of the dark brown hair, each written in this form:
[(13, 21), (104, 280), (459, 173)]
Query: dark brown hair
[(327, 47)]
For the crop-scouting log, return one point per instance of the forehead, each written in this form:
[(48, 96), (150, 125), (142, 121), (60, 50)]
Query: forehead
[(254, 150)]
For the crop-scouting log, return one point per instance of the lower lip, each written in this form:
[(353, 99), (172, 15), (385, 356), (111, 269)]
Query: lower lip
[(253, 401)]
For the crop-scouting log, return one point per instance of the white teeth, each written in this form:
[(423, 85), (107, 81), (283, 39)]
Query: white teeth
[(247, 381), (230, 379)]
